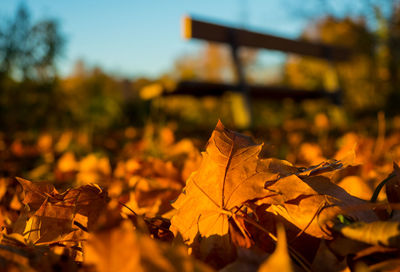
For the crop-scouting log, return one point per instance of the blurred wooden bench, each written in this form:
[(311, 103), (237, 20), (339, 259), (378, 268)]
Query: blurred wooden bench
[(236, 38)]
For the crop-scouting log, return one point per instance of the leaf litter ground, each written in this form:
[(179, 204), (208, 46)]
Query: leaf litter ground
[(224, 209)]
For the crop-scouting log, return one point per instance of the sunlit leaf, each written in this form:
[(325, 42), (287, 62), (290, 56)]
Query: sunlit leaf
[(280, 259), (229, 175)]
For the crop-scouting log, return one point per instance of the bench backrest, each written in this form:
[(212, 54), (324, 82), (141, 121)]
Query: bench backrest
[(235, 37), (222, 34)]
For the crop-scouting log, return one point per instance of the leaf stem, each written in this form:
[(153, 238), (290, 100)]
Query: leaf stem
[(380, 186), (60, 241), (132, 211)]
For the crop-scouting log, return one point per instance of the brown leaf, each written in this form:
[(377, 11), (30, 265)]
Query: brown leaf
[(58, 214), (50, 223), (240, 235), (378, 258), (326, 260), (16, 254), (36, 192), (88, 202), (393, 186)]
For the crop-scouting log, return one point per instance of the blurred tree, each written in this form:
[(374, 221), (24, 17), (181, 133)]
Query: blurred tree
[(389, 34), (372, 30), (29, 51), (357, 75), (93, 99), (29, 98)]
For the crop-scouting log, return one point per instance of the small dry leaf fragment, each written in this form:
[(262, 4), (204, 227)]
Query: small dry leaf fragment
[(386, 233), (279, 259), (282, 167), (356, 186), (322, 168), (377, 258), (389, 265)]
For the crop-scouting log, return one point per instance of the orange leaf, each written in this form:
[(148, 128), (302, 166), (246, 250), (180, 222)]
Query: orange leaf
[(227, 177)]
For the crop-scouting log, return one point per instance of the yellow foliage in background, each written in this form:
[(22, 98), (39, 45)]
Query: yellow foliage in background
[(363, 78)]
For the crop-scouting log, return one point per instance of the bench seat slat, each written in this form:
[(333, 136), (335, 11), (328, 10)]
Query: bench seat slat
[(201, 89)]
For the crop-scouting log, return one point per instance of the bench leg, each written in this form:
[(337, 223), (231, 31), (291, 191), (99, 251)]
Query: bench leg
[(241, 106), (241, 110)]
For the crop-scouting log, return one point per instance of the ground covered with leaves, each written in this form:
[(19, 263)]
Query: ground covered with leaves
[(162, 205)]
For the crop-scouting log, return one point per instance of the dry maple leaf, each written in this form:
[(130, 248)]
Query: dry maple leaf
[(52, 215), (36, 193), (230, 174)]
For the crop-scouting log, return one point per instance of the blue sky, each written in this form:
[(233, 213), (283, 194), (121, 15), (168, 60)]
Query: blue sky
[(134, 38)]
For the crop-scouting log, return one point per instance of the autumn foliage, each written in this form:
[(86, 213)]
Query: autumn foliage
[(227, 208)]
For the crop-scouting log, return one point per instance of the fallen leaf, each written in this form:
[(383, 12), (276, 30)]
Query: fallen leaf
[(67, 162), (389, 265), (124, 249), (309, 201), (114, 250), (93, 169), (279, 259), (17, 254), (311, 153), (52, 215), (356, 186), (228, 176), (326, 260), (386, 233), (36, 193)]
